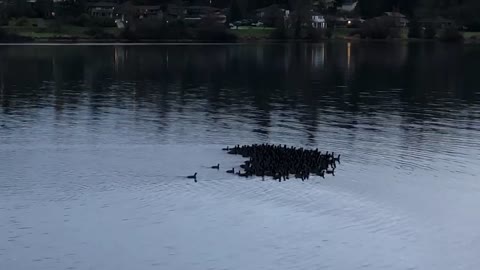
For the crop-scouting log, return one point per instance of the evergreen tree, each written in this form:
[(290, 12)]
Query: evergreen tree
[(44, 8), (235, 11)]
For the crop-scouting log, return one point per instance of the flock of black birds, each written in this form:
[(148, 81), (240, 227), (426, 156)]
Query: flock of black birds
[(281, 162)]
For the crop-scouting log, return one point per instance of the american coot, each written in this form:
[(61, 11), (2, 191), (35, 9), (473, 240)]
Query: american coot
[(231, 171), (216, 167), (242, 174), (194, 177), (280, 161)]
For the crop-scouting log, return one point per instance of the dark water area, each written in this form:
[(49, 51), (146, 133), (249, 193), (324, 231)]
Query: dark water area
[(95, 138)]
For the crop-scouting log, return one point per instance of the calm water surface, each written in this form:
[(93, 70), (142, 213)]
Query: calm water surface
[(95, 141)]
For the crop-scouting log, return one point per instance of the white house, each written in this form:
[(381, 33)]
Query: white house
[(318, 21)]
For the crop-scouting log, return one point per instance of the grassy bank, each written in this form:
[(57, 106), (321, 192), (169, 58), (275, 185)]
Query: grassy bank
[(247, 33), (64, 31), (472, 37), (51, 32)]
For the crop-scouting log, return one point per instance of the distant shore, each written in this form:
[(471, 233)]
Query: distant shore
[(468, 38), (83, 41), (80, 35)]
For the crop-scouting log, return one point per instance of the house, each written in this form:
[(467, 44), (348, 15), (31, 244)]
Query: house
[(400, 19), (348, 6), (194, 14), (270, 14), (271, 11), (175, 12), (130, 11), (102, 9), (145, 11), (437, 22), (318, 21), (267, 11)]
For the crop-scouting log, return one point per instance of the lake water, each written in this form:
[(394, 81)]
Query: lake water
[(96, 141)]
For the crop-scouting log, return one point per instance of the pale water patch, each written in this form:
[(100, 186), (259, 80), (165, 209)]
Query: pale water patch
[(119, 207)]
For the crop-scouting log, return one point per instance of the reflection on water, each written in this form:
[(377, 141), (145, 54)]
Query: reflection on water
[(413, 96)]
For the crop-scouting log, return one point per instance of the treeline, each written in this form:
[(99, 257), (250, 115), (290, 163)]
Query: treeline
[(43, 8), (365, 8), (465, 12)]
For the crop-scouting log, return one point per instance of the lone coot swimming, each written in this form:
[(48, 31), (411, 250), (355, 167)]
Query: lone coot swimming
[(193, 177)]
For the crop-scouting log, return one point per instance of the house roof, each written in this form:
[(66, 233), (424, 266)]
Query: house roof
[(203, 8), (436, 20), (101, 4), (349, 2), (395, 14), (128, 7), (149, 7), (268, 8)]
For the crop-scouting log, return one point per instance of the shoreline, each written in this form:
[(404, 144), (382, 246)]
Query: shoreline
[(243, 41)]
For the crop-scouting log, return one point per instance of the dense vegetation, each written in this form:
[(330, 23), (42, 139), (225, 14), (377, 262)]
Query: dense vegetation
[(465, 10), (74, 13)]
